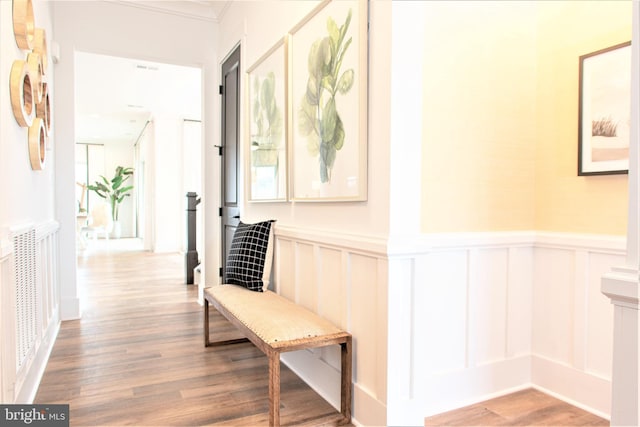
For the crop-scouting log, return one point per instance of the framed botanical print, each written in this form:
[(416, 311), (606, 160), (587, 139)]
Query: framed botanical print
[(267, 90), (328, 117)]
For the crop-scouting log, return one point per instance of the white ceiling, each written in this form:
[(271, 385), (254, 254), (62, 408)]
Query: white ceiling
[(115, 97)]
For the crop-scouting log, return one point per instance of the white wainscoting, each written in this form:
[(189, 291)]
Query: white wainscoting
[(343, 278), (473, 316), (460, 321), (442, 321), (572, 342), (34, 312)]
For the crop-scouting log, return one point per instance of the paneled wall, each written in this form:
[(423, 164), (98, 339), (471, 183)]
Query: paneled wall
[(482, 314), (444, 320), (461, 305), (30, 299), (343, 278), (572, 338)]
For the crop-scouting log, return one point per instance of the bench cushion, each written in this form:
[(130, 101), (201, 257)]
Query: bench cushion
[(273, 318)]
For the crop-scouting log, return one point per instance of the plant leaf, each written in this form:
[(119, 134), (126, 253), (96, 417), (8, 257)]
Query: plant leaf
[(329, 120), (339, 134), (333, 30), (313, 144), (341, 56), (329, 83), (306, 118), (346, 81)]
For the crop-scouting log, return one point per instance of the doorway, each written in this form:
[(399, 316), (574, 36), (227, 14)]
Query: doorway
[(142, 114)]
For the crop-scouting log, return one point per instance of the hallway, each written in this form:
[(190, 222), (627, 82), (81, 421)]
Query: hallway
[(137, 357)]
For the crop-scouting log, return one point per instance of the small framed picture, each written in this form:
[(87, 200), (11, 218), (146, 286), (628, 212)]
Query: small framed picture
[(605, 111)]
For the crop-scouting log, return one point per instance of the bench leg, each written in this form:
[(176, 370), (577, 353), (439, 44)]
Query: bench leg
[(345, 386), (207, 340), (206, 323), (274, 389)]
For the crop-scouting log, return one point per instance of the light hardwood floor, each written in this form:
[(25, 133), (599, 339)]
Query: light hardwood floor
[(137, 356), (525, 408)]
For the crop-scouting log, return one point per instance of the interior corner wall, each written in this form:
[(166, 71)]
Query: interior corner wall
[(565, 201), (478, 119)]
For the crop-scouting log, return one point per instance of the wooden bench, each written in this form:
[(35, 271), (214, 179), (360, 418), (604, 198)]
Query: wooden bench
[(276, 325)]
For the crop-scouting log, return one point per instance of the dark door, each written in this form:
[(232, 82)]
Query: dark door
[(229, 150)]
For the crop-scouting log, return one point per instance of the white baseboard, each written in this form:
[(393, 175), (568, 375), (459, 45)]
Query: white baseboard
[(29, 387), (369, 410), (325, 380), (578, 388), (443, 392)]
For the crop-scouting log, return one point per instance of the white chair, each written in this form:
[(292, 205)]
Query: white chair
[(98, 221)]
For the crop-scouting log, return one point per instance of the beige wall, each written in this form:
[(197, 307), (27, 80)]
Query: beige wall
[(479, 117), (501, 117), (565, 201)]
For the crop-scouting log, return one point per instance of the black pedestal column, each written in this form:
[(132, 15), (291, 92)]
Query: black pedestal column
[(191, 257)]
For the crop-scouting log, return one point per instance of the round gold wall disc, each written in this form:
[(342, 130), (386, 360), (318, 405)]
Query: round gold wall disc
[(37, 144), (34, 61), (40, 47), (22, 93), (23, 24), (43, 109)]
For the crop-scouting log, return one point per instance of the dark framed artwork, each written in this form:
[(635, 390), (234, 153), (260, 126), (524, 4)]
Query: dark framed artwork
[(605, 111)]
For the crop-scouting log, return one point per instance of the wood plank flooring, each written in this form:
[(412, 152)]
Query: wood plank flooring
[(525, 408), (137, 358), (137, 355)]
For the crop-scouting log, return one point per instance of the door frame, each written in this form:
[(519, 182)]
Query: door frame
[(229, 211)]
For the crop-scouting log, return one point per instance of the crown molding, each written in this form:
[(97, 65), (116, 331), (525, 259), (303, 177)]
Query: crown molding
[(209, 11)]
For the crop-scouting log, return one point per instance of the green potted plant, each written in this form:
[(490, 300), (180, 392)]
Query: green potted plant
[(114, 191)]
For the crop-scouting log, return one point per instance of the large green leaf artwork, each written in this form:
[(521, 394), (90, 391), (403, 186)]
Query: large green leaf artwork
[(267, 118), (319, 118)]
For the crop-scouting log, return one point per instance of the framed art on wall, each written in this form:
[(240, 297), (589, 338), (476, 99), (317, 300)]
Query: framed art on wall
[(605, 111), (267, 90), (328, 117)]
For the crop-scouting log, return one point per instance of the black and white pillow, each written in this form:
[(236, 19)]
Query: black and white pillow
[(250, 256)]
